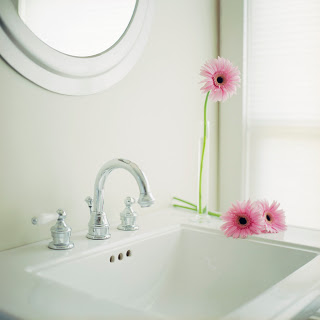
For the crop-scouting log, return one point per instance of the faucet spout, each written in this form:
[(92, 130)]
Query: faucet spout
[(145, 200), (98, 224)]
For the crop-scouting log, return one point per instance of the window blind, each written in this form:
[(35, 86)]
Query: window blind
[(283, 106)]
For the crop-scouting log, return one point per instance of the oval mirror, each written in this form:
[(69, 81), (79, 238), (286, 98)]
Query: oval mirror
[(74, 47), (79, 28)]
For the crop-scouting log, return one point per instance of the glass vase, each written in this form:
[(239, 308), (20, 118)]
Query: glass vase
[(203, 173)]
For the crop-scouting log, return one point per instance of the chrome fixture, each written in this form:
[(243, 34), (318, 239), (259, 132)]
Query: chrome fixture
[(98, 227), (128, 216), (60, 232)]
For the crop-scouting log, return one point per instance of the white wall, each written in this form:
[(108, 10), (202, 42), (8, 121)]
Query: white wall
[(52, 146)]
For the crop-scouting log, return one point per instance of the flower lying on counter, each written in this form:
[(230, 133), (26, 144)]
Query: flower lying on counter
[(242, 219), (248, 218), (273, 217)]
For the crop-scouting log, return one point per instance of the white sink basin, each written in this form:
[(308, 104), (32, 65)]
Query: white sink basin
[(180, 271), (188, 273)]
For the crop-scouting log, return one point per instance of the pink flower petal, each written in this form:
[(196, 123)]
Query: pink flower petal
[(273, 217), (234, 227), (223, 68)]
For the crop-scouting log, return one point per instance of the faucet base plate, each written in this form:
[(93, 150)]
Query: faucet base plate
[(98, 237), (128, 228), (62, 246)]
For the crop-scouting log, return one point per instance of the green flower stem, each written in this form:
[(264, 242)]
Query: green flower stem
[(215, 214), (184, 207), (194, 207), (203, 150), (181, 200)]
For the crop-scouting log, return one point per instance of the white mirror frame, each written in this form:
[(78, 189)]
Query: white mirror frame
[(66, 74)]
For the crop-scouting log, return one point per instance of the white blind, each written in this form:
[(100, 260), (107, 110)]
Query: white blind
[(283, 106)]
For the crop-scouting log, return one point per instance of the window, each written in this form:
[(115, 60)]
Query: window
[(278, 128)]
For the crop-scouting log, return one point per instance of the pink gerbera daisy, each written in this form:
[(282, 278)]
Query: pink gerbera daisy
[(242, 219), (221, 79), (273, 217)]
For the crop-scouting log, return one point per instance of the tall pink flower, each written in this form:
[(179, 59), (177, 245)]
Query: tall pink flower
[(273, 217), (242, 219), (221, 79)]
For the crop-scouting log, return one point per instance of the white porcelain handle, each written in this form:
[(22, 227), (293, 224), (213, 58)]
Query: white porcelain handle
[(44, 218)]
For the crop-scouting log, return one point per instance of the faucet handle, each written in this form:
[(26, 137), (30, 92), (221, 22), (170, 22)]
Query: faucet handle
[(61, 233), (129, 201), (89, 202), (128, 216), (44, 218)]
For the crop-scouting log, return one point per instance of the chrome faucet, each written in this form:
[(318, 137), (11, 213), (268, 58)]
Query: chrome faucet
[(98, 223)]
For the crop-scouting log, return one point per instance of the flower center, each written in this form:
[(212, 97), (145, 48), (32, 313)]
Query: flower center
[(268, 217), (243, 221), (219, 80)]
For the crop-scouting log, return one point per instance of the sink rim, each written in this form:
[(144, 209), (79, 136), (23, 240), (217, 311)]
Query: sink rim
[(135, 238)]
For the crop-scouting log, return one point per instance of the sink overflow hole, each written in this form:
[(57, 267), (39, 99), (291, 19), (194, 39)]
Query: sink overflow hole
[(120, 256)]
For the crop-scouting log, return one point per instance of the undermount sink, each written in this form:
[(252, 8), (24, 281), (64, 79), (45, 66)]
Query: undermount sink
[(180, 270), (186, 273)]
